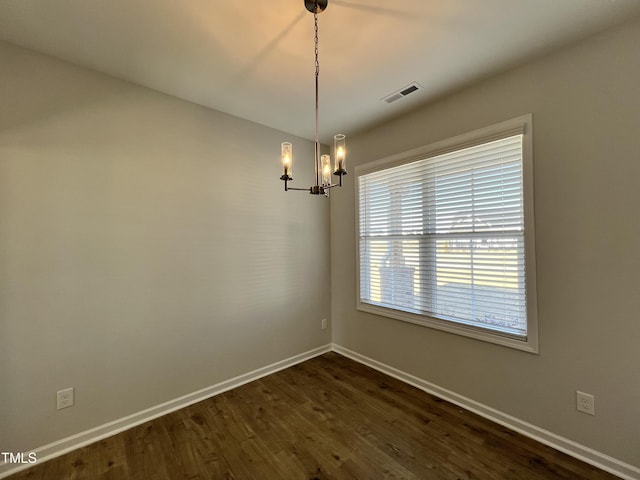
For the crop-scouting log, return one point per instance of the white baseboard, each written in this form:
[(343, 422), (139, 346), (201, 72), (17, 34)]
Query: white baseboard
[(60, 447), (576, 450)]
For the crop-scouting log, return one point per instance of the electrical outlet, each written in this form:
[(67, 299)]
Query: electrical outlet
[(324, 324), (585, 403), (64, 398)]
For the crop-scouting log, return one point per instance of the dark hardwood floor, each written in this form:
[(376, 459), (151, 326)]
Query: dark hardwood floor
[(326, 418)]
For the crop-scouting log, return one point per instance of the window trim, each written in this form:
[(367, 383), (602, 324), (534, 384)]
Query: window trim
[(519, 125)]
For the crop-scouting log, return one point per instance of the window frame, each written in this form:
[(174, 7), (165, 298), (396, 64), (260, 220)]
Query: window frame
[(519, 125)]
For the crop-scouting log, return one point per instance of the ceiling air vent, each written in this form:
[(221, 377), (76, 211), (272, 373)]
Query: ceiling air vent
[(403, 92)]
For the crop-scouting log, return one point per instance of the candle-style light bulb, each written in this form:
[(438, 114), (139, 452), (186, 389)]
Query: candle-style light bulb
[(287, 158), (325, 161), (340, 153)]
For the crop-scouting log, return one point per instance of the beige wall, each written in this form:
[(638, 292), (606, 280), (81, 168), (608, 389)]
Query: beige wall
[(147, 249), (585, 102)]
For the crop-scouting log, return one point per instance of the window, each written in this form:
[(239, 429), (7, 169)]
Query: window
[(445, 236)]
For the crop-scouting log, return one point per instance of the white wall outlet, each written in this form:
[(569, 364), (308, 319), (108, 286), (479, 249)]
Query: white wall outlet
[(585, 403), (65, 398), (323, 324)]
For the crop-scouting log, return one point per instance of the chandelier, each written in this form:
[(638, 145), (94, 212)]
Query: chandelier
[(322, 162)]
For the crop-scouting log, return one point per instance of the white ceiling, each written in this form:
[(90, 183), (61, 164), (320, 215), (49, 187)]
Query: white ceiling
[(254, 59)]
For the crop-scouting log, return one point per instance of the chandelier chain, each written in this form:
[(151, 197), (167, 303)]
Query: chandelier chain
[(317, 65), (315, 39)]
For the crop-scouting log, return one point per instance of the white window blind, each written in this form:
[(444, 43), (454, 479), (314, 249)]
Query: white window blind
[(444, 237)]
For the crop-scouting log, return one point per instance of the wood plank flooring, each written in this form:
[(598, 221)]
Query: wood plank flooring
[(327, 418)]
